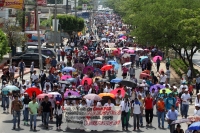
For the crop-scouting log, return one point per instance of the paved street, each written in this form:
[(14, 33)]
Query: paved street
[(6, 122)]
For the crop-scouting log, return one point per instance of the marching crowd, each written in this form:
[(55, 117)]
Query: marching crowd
[(92, 67)]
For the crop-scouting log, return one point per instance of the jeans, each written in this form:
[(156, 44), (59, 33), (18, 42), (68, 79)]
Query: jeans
[(58, 120), (123, 116), (137, 63), (58, 57), (46, 118), (5, 102), (185, 108), (141, 119), (26, 114), (136, 118), (149, 114), (16, 116), (21, 73), (33, 119), (161, 116), (63, 58)]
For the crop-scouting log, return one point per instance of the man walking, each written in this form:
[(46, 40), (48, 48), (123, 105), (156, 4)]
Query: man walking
[(185, 97), (5, 100), (172, 115), (161, 111), (46, 108), (26, 101), (148, 105), (21, 66), (16, 110), (33, 107)]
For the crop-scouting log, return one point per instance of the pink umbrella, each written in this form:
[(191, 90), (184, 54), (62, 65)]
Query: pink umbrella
[(156, 57), (130, 51), (79, 65), (124, 37), (40, 96), (64, 77), (124, 50), (99, 59), (85, 70), (85, 47)]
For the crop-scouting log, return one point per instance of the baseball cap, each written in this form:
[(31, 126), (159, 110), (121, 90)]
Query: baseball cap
[(57, 102)]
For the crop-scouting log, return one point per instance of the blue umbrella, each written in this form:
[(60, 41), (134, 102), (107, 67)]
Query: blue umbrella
[(194, 126), (91, 48), (68, 48), (116, 66), (112, 62), (116, 80), (143, 57), (97, 70), (97, 62), (68, 69), (71, 80)]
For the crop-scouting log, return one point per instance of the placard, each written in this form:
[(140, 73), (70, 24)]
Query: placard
[(93, 118)]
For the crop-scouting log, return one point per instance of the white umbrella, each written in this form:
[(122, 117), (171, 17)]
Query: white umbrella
[(139, 49), (55, 94), (127, 63), (103, 39), (125, 55)]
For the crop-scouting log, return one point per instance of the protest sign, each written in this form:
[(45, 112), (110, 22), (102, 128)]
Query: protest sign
[(93, 118)]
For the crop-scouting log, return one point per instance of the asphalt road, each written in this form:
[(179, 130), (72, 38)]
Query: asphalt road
[(6, 122)]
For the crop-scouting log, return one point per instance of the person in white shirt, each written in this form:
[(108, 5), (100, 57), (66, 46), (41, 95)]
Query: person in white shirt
[(125, 107), (12, 70), (197, 99), (136, 108), (189, 73), (163, 78), (185, 97), (168, 75), (118, 98), (34, 76), (109, 104), (83, 104), (108, 88), (197, 110), (58, 111)]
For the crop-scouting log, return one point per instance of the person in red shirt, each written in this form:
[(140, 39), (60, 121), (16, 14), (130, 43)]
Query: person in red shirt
[(148, 105), (63, 54)]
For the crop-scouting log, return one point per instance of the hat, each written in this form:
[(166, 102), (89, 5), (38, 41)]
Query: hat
[(25, 93), (186, 89), (197, 105), (174, 87), (198, 94), (144, 81), (57, 102)]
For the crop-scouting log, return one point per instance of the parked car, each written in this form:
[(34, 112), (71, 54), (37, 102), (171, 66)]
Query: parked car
[(28, 58)]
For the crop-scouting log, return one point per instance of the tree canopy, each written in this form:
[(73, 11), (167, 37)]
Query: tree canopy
[(164, 23), (4, 48)]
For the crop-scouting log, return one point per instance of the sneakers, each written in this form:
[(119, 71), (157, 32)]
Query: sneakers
[(59, 128), (150, 124), (13, 128), (34, 128), (31, 127)]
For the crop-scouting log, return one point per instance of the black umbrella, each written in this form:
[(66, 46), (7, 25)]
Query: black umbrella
[(105, 100), (64, 82), (128, 83), (73, 98)]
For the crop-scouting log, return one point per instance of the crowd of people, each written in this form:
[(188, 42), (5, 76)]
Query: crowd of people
[(88, 66)]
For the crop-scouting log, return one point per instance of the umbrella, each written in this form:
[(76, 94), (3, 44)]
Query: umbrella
[(107, 95), (97, 70), (145, 60), (156, 86), (79, 65), (85, 70), (106, 67), (93, 97), (68, 69), (73, 98), (156, 57), (89, 81), (55, 94), (117, 89), (166, 90), (130, 51), (116, 80), (103, 80), (97, 62), (64, 82), (180, 121), (139, 49), (144, 75), (143, 57), (64, 77), (125, 55), (127, 64), (125, 48), (194, 118), (124, 37), (73, 93), (40, 96), (71, 80), (128, 83), (98, 78), (68, 48), (103, 39), (10, 88), (194, 126), (32, 90), (99, 59), (112, 62)]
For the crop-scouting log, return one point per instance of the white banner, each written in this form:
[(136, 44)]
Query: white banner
[(93, 118)]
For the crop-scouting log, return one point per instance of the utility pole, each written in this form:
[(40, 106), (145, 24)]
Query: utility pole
[(55, 25), (39, 40), (75, 8)]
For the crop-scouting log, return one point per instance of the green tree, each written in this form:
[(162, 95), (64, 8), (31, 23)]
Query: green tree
[(4, 48), (46, 23)]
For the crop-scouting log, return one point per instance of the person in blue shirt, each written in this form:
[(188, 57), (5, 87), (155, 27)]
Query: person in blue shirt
[(171, 116), (169, 101)]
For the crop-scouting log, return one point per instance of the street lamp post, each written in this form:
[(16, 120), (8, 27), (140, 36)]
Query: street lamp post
[(55, 25)]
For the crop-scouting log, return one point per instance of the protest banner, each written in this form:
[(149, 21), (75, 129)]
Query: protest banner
[(93, 118)]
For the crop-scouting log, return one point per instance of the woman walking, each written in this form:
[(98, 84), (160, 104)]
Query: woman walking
[(58, 112), (136, 112)]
